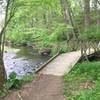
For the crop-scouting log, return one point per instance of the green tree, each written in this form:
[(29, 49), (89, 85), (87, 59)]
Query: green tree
[(9, 13)]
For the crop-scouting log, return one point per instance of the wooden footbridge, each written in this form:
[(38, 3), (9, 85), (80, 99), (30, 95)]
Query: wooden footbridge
[(61, 63)]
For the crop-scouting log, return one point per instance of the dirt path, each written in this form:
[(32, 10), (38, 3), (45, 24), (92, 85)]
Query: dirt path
[(45, 87)]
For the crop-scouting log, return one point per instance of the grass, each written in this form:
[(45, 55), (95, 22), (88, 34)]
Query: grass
[(83, 82)]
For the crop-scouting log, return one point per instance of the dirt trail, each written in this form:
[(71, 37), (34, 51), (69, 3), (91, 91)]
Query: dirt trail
[(45, 87)]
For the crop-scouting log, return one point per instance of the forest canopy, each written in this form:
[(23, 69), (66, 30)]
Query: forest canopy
[(49, 23)]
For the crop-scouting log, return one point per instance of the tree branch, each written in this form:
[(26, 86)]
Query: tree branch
[(6, 22), (98, 2)]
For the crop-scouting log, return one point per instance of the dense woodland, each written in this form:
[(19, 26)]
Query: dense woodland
[(59, 24)]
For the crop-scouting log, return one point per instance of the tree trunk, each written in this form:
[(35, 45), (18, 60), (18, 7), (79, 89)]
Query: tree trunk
[(87, 13), (67, 15), (2, 38), (96, 3), (98, 15), (9, 13), (2, 71), (64, 10)]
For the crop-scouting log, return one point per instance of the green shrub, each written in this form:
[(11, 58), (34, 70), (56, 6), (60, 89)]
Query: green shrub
[(13, 82), (91, 34)]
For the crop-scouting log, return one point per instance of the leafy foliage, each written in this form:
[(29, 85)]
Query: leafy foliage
[(13, 82), (92, 34), (45, 25), (82, 83)]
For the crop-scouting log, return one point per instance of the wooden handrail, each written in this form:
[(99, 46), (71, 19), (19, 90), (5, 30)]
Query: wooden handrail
[(46, 63)]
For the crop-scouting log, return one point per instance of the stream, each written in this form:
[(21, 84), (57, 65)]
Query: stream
[(22, 60)]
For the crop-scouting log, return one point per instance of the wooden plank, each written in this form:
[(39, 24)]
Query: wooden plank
[(46, 63), (61, 64)]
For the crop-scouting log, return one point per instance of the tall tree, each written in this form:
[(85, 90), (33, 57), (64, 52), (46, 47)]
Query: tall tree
[(87, 19), (68, 15), (98, 13), (8, 16)]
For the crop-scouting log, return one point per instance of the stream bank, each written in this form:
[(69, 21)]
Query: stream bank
[(23, 60)]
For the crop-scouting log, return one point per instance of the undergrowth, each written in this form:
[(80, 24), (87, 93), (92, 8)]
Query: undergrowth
[(14, 83), (83, 82)]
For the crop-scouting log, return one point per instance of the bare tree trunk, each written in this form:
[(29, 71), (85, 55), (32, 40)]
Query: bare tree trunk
[(98, 14), (2, 38), (64, 10), (2, 72), (75, 26), (67, 15), (87, 19)]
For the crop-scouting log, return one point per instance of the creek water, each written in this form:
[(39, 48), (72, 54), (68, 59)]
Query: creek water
[(22, 60)]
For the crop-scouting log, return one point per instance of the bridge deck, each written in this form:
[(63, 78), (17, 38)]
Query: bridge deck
[(63, 63)]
